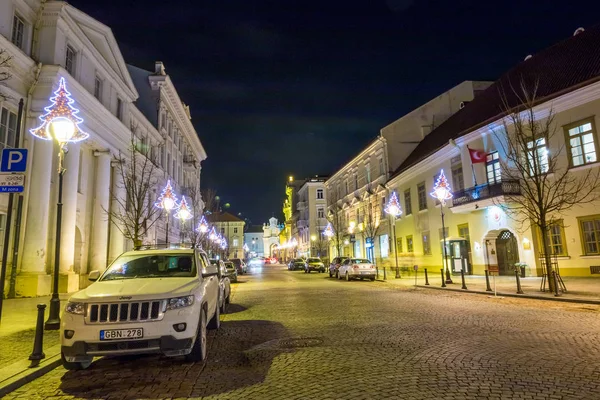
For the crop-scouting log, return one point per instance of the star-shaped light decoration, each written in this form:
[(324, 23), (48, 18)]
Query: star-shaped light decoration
[(441, 190)]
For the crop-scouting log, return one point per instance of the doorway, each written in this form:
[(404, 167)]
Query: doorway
[(508, 252)]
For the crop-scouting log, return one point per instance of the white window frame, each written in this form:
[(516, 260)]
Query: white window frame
[(98, 88), (71, 60), (18, 36), (537, 156), (320, 194)]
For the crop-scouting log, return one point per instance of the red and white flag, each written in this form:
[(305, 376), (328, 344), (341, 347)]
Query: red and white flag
[(477, 156)]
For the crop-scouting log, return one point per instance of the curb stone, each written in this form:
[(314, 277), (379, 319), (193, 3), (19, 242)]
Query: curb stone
[(18, 374)]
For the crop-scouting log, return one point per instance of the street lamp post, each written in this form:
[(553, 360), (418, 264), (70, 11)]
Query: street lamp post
[(394, 210), (328, 232), (442, 192), (60, 123), (184, 214), (167, 201)]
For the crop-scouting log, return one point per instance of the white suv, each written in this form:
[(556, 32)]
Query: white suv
[(150, 301)]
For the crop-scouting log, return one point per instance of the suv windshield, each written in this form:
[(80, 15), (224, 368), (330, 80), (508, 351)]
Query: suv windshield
[(151, 266)]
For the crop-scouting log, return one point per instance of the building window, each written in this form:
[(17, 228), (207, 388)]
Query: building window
[(458, 179), (235, 230), (98, 89), (590, 234), (356, 180), (426, 243), (582, 147), (368, 172), (463, 232), (8, 128), (492, 167), (119, 108), (18, 31), (381, 168), (399, 245), (422, 195), (409, 244), (407, 202), (320, 194), (347, 186), (556, 239), (222, 231), (235, 242), (537, 157), (70, 58), (320, 213)]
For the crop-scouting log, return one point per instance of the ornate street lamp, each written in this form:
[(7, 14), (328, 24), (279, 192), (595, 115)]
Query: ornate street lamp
[(442, 192), (184, 214), (167, 201), (328, 233), (60, 123), (394, 210)]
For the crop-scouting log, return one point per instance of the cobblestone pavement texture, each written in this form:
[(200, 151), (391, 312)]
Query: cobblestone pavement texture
[(291, 335)]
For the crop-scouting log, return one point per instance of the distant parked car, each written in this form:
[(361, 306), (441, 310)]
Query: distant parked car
[(314, 264), (334, 266), (256, 262), (296, 264), (240, 265), (232, 271), (357, 268)]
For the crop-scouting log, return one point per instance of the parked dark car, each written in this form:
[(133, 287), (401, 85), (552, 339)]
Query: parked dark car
[(314, 264), (232, 271), (334, 267), (240, 265), (296, 264)]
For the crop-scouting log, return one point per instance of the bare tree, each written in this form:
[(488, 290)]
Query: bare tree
[(371, 221), (211, 200), (196, 207), (547, 186), (320, 244), (5, 64), (336, 218), (135, 214)]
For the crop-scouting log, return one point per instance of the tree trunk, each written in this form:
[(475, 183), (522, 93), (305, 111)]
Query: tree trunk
[(547, 255)]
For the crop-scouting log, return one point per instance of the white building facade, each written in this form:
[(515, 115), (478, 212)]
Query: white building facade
[(48, 41), (270, 237)]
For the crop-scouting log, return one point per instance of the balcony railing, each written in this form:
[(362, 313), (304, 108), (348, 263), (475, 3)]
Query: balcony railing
[(485, 191)]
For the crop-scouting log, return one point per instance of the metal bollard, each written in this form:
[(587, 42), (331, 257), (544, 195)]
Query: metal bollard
[(556, 293), (462, 277), (488, 288), (38, 343), (426, 278), (443, 279), (519, 290), (398, 273), (384, 274)]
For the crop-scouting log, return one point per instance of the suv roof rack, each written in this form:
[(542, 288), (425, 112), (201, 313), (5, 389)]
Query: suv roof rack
[(173, 246)]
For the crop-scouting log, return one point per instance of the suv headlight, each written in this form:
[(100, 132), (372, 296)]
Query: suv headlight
[(180, 302), (75, 308)]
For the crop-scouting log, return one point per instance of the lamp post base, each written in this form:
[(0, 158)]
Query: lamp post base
[(53, 322)]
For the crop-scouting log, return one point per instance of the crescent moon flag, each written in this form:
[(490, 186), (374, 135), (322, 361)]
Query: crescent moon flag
[(477, 156)]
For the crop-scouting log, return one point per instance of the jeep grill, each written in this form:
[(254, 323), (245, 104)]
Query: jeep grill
[(126, 312)]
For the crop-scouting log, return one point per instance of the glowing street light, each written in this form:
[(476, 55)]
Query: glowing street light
[(442, 192), (183, 214), (393, 209), (61, 123), (167, 201), (202, 225)]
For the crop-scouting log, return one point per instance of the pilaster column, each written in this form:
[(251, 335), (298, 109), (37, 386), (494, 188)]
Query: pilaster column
[(35, 246), (69, 213), (99, 242), (117, 241)]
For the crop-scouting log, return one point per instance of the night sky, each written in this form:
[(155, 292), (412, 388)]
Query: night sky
[(286, 87)]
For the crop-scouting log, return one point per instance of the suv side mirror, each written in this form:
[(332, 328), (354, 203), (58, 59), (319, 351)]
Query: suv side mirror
[(94, 275), (210, 270)]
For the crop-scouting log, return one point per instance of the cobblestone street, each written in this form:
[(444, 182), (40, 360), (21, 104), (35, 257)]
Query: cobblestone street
[(290, 335)]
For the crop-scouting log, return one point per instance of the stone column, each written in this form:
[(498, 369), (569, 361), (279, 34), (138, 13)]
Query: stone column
[(69, 214), (99, 242), (33, 279), (117, 241)]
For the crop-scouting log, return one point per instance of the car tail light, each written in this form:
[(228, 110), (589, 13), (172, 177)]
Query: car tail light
[(372, 266), (355, 266)]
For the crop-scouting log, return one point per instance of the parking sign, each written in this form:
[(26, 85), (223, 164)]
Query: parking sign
[(13, 160)]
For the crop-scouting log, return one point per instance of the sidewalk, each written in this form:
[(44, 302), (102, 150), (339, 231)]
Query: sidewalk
[(579, 289), (17, 329)]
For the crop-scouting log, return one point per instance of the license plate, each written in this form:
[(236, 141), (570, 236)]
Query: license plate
[(365, 272), (115, 334)]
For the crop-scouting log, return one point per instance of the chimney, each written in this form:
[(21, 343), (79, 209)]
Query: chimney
[(159, 68)]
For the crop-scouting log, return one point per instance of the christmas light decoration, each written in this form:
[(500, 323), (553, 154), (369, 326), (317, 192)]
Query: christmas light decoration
[(393, 206), (213, 234), (328, 230), (441, 190), (60, 121), (202, 225), (167, 199), (183, 211)]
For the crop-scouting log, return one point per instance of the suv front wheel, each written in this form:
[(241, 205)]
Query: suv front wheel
[(198, 352)]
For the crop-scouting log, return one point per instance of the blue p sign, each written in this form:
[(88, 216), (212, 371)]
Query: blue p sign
[(13, 160)]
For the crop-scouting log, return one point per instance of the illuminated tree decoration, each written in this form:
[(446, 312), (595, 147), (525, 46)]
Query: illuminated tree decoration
[(183, 211), (202, 225), (393, 206), (62, 112), (167, 199), (441, 190), (328, 230), (213, 234)]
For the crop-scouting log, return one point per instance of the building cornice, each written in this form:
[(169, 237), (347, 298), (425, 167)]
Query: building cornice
[(353, 164)]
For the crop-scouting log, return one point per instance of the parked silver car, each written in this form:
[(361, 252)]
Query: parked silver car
[(357, 268)]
